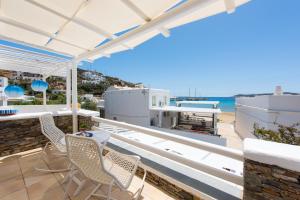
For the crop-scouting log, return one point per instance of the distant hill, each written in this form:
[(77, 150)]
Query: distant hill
[(261, 94), (89, 82), (97, 83)]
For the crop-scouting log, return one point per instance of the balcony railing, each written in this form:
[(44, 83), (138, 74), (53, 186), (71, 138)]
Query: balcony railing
[(117, 128)]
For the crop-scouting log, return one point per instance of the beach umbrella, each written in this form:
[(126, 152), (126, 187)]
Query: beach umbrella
[(14, 91), (39, 86)]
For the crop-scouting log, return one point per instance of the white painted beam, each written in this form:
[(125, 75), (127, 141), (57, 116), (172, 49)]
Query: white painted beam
[(230, 6), (165, 32)]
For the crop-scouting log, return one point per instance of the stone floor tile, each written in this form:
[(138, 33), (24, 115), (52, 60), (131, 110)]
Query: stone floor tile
[(18, 195), (11, 185), (9, 170), (43, 187)]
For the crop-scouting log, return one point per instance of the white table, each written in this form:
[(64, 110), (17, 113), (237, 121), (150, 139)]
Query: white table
[(101, 137)]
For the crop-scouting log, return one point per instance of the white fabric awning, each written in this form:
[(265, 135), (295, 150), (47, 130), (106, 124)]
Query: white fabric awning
[(89, 29)]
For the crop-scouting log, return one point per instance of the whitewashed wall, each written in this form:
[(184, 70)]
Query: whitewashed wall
[(264, 111), (129, 106), (132, 105)]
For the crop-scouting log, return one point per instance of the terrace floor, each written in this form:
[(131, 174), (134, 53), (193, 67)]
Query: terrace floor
[(20, 181)]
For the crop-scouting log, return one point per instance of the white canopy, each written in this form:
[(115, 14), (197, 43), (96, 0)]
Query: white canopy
[(89, 29)]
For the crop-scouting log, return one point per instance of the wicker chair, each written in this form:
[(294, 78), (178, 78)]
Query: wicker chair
[(113, 169), (56, 139)]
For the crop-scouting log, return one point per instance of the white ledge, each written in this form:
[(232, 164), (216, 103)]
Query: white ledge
[(30, 115), (273, 153)]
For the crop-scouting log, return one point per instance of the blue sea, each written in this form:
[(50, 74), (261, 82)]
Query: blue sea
[(227, 104)]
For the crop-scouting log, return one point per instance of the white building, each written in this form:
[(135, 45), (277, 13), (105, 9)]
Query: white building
[(265, 111), (150, 107), (133, 105), (92, 78)]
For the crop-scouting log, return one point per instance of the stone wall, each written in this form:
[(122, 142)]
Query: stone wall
[(264, 182), (25, 134), (166, 186)]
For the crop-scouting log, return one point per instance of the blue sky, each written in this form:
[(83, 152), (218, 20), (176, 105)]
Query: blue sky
[(249, 51)]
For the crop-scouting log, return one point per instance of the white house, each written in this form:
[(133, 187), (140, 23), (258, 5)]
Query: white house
[(151, 107), (133, 105)]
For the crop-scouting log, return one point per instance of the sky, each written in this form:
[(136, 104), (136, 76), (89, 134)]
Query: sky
[(250, 51)]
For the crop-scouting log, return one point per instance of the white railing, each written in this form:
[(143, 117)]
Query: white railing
[(224, 151)]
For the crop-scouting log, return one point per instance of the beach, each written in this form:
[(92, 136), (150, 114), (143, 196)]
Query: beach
[(226, 130), (226, 117)]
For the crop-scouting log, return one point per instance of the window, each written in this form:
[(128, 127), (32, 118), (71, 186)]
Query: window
[(153, 100)]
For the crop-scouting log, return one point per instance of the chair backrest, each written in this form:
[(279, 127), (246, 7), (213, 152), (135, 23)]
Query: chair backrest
[(49, 129), (86, 154)]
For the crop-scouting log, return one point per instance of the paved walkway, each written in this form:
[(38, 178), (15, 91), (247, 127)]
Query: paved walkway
[(226, 130)]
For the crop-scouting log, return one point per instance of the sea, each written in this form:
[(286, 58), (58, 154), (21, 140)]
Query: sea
[(227, 104)]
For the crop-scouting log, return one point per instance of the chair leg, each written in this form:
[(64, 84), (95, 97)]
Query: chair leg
[(80, 186), (110, 189), (93, 192), (69, 184), (44, 170), (139, 191)]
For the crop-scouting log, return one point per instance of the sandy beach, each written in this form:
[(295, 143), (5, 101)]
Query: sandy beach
[(226, 130), (226, 117)]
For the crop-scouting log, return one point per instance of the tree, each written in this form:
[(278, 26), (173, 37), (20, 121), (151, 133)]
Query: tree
[(89, 105)]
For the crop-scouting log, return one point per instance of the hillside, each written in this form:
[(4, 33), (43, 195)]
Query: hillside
[(96, 83), (89, 82)]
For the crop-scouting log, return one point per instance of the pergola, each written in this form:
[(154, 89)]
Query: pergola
[(90, 29)]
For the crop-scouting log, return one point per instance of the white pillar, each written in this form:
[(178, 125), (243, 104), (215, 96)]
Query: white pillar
[(5, 98), (44, 93), (215, 123), (74, 97), (160, 116), (68, 88)]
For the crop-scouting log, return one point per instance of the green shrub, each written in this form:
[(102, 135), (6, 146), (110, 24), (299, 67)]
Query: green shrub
[(284, 134), (88, 105)]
